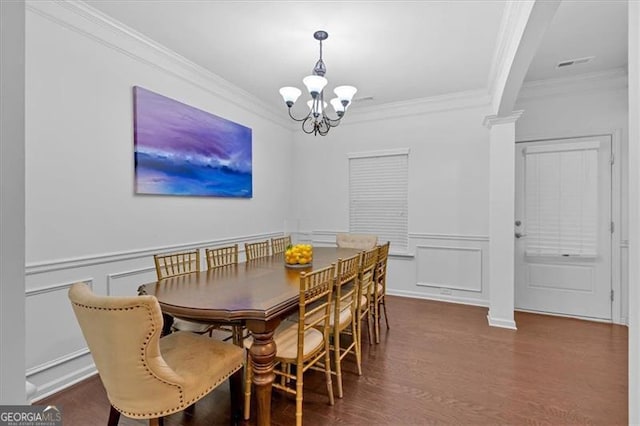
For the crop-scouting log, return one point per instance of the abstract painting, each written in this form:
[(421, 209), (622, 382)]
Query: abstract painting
[(181, 150)]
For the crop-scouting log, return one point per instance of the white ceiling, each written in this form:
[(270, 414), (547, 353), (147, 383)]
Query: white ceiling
[(390, 50)]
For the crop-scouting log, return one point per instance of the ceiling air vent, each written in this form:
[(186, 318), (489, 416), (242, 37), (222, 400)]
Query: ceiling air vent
[(577, 61), (363, 98)]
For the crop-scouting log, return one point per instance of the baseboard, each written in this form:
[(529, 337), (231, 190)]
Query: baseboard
[(552, 314), (501, 323), (438, 297), (65, 382)]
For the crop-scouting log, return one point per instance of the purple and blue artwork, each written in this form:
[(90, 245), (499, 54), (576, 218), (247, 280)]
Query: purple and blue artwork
[(181, 150)]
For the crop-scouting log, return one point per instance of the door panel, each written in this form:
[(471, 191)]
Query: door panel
[(562, 229)]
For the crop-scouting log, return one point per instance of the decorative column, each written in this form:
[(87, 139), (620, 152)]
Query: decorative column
[(501, 217)]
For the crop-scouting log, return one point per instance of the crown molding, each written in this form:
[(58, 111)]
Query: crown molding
[(420, 106), (87, 21), (612, 79)]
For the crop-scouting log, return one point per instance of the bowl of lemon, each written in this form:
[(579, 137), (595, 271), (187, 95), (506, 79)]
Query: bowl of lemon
[(298, 256)]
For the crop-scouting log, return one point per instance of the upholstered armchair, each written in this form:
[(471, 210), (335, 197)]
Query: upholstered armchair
[(356, 241), (147, 377)]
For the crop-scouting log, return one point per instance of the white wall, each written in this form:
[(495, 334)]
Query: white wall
[(448, 190), (12, 169), (84, 222), (593, 104)]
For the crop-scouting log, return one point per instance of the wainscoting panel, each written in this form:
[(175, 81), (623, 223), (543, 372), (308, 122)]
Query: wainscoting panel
[(57, 354), (52, 334), (458, 268), (127, 283), (446, 267)]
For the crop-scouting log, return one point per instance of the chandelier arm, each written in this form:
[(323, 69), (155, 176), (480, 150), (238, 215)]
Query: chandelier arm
[(297, 119), (333, 122), (308, 120)]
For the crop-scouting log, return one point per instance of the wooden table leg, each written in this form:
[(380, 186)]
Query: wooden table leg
[(263, 353)]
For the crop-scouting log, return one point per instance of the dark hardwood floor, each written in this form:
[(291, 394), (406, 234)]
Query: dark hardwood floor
[(441, 364)]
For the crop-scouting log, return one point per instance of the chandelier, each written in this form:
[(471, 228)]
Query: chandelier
[(317, 121)]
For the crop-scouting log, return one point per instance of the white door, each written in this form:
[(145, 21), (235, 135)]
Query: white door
[(563, 227)]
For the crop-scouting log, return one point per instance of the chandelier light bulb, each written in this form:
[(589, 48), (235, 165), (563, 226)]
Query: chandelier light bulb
[(315, 84), (345, 93), (290, 95), (337, 106)]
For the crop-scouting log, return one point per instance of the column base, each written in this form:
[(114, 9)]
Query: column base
[(501, 323)]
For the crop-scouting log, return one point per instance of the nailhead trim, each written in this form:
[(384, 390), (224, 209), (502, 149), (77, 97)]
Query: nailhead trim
[(182, 405)]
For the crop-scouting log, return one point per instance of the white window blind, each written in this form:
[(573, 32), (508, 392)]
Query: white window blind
[(561, 200), (378, 197)]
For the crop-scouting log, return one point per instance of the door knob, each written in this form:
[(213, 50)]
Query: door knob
[(520, 235)]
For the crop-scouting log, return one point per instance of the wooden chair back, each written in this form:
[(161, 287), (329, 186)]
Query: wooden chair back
[(173, 264), (366, 278), (346, 286), (221, 256), (279, 245), (316, 289), (381, 269), (256, 250)]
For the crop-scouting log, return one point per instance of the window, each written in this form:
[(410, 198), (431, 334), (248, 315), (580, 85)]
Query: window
[(378, 196), (561, 199)]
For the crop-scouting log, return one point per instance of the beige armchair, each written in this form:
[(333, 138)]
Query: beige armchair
[(356, 241), (147, 377)]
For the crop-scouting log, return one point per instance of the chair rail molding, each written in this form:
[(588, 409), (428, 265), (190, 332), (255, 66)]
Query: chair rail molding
[(96, 259), (454, 237), (56, 287)]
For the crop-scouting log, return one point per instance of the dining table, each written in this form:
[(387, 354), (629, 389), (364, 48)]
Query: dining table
[(259, 293)]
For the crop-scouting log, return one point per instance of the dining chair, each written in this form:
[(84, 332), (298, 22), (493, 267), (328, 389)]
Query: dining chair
[(304, 343), (365, 295), (172, 264), (380, 289), (145, 376), (175, 264), (279, 245), (344, 317), (219, 257), (356, 241), (256, 250)]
